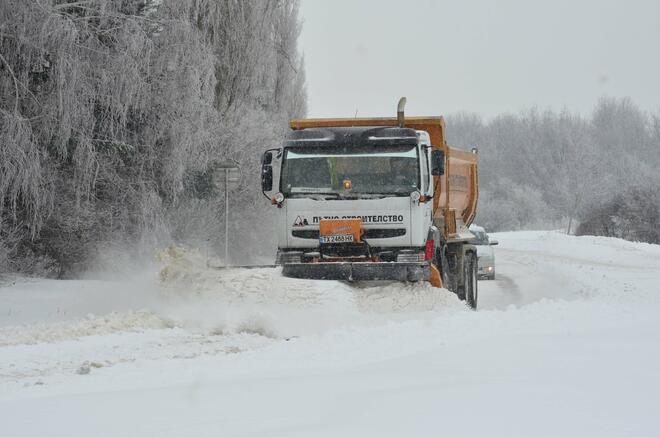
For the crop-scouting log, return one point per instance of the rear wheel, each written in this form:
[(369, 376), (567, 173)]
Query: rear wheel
[(443, 264), (471, 281)]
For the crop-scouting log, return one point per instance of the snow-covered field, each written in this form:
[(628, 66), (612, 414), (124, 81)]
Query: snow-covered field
[(566, 342)]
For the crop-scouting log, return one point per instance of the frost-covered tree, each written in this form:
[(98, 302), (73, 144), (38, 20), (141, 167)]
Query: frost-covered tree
[(110, 110), (548, 169)]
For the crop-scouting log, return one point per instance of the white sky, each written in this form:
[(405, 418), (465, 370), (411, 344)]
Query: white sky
[(479, 56)]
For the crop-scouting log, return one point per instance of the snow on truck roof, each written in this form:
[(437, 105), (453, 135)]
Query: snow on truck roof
[(352, 136)]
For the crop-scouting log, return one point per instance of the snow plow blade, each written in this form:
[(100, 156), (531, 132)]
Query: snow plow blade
[(359, 271), (251, 266)]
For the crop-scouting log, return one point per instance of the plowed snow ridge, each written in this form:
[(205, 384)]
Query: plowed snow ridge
[(190, 295)]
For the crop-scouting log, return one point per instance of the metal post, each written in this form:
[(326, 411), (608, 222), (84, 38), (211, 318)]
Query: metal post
[(228, 167), (227, 216)]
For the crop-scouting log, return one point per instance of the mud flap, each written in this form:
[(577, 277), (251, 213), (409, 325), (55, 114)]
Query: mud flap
[(436, 277)]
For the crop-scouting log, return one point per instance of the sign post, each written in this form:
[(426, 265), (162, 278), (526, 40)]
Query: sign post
[(227, 174)]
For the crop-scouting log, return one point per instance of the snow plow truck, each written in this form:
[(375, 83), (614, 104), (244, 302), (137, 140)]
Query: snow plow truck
[(363, 199)]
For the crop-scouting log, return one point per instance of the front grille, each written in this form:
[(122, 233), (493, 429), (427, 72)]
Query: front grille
[(384, 233), (313, 234)]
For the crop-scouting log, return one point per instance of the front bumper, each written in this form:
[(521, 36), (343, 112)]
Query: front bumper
[(359, 271)]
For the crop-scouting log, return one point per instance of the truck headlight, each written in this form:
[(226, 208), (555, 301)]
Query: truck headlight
[(409, 256)]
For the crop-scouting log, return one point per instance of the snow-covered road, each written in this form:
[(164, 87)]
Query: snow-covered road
[(565, 342)]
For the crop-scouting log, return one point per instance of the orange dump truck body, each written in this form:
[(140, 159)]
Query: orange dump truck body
[(456, 192)]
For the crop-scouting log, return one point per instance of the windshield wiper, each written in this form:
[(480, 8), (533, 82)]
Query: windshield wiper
[(332, 195), (316, 196), (392, 193)]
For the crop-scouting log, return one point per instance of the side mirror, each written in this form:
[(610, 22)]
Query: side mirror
[(493, 243), (267, 171), (267, 158), (266, 178), (438, 162)]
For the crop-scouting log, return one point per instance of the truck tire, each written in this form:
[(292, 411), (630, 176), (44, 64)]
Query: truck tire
[(471, 281), (443, 265), (463, 273)]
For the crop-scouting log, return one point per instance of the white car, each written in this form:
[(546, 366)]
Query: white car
[(485, 253)]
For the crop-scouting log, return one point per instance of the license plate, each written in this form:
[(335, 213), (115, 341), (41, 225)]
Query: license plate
[(329, 239)]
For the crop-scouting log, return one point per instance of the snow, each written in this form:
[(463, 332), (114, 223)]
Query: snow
[(565, 342)]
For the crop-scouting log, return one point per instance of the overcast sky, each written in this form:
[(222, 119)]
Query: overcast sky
[(480, 56)]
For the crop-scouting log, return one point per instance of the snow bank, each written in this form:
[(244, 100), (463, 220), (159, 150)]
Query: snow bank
[(263, 301), (188, 294)]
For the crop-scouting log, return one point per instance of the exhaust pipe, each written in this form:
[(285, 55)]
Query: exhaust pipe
[(399, 111)]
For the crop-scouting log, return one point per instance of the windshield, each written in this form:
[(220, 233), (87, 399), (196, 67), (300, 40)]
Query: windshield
[(482, 238), (344, 170)]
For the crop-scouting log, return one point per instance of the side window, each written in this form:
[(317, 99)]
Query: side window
[(425, 170)]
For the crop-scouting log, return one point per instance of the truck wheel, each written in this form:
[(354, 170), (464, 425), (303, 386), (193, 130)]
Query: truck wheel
[(443, 264), (464, 289), (470, 289)]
